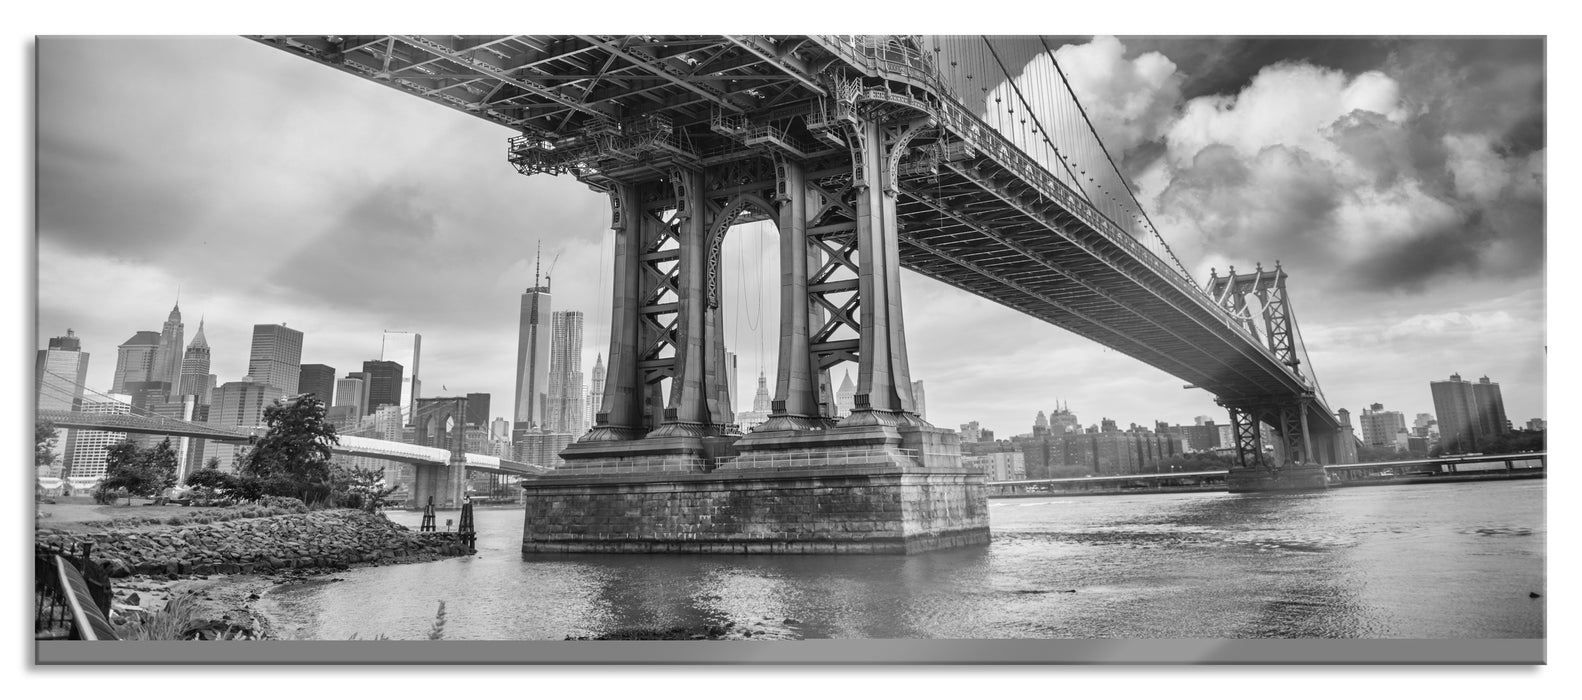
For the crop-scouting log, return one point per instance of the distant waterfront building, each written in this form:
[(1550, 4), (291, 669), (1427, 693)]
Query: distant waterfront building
[(195, 378), (565, 405), (318, 380), (166, 364), (1425, 425), (1470, 415), (920, 398), (92, 450), (1491, 420), (1062, 420), (1203, 436), (532, 359), (1097, 453), (405, 349), (275, 358), (1040, 424), (134, 361), (384, 384), (540, 447), (60, 372), (1536, 424), (999, 466), (972, 432), (478, 412), (1379, 427), (238, 404)]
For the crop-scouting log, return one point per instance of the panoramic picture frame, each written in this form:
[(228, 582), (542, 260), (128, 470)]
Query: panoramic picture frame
[(1189, 651)]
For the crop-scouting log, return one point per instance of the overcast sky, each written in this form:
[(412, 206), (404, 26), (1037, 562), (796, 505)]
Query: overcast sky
[(1400, 182)]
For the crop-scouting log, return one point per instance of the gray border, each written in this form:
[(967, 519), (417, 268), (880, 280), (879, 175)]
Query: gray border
[(828, 652)]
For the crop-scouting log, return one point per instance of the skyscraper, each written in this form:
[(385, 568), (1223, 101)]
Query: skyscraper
[(532, 358), (318, 380), (60, 373), (384, 384), (276, 356), (195, 378), (166, 366), (845, 396), (565, 406), (134, 361), (761, 406), (405, 349), (1457, 410), (478, 410), (596, 389)]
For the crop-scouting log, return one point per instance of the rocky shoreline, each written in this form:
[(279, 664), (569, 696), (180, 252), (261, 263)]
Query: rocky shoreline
[(225, 568)]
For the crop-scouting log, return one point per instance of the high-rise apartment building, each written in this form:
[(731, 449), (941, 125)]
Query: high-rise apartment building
[(1491, 420), (134, 361), (1424, 425), (1379, 426), (532, 358), (166, 365), (845, 396), (478, 411), (276, 357), (92, 450), (195, 378), (318, 380), (384, 384), (238, 404), (972, 432), (565, 406), (1469, 417), (405, 349), (60, 373)]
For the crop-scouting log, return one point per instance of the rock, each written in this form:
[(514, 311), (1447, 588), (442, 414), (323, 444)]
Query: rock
[(791, 621), (1533, 595), (133, 599)]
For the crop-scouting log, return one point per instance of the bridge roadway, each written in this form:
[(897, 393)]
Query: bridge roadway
[(350, 445), (976, 211)]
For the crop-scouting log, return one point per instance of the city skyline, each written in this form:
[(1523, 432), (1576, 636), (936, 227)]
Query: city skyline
[(1476, 306)]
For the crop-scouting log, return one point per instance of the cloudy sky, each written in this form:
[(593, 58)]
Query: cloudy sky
[(1400, 182)]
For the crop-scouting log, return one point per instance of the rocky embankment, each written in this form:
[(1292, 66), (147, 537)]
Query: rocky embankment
[(327, 538)]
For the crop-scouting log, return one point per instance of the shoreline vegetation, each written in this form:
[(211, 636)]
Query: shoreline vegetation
[(201, 574)]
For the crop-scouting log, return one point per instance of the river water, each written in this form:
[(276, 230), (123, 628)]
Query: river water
[(1411, 561)]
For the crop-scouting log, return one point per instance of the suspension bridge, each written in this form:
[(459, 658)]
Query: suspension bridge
[(966, 159)]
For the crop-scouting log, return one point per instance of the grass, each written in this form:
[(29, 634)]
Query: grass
[(78, 517)]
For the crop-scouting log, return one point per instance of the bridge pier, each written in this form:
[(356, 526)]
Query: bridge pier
[(665, 471), (1295, 465)]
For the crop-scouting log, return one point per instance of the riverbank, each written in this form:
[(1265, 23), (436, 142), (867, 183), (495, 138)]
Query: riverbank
[(1384, 481), (227, 567)]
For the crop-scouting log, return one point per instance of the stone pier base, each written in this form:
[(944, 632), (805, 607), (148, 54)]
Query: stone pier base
[(874, 498), (1303, 477)]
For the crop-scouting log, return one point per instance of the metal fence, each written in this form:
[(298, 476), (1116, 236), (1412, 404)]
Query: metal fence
[(52, 616)]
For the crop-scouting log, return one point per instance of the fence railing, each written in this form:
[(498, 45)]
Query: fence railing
[(52, 615)]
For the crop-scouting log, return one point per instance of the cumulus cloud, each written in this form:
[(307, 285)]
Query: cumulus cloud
[(1130, 102)]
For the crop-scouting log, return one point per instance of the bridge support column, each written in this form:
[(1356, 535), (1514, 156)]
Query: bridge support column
[(1294, 466)]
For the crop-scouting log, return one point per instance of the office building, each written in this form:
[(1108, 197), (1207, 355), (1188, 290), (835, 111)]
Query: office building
[(565, 405), (1455, 404), (1379, 426), (134, 361), (540, 447), (275, 358), (238, 404), (761, 407), (318, 380), (532, 358), (195, 378), (405, 349), (92, 450), (60, 372), (500, 430), (351, 393), (384, 384), (1062, 420), (478, 411)]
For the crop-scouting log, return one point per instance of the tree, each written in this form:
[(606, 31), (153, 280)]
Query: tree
[(160, 467), (357, 487), (137, 471), (43, 442), (293, 457)]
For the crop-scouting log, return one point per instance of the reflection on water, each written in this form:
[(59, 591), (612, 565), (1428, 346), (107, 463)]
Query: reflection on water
[(1412, 561)]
